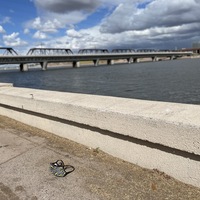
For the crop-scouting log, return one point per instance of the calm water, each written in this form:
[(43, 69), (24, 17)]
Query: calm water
[(172, 81)]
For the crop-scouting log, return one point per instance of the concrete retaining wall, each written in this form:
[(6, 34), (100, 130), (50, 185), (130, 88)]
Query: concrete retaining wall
[(155, 135)]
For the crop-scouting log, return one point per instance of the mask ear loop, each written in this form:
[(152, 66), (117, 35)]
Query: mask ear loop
[(70, 167), (60, 163)]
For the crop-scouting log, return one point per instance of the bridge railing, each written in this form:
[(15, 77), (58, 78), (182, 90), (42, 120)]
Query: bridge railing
[(92, 51), (123, 51), (8, 51), (49, 51)]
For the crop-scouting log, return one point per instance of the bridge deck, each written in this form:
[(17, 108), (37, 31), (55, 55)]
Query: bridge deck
[(17, 59)]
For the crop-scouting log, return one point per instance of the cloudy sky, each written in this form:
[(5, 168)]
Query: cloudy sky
[(76, 24)]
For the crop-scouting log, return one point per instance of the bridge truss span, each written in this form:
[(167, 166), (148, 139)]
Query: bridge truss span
[(75, 59), (49, 51), (6, 51)]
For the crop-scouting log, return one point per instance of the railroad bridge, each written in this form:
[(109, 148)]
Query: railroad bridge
[(43, 56), (49, 51), (7, 51)]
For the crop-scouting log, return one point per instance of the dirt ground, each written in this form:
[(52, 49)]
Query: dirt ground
[(96, 174)]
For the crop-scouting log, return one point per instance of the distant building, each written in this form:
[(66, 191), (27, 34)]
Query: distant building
[(195, 48), (196, 45)]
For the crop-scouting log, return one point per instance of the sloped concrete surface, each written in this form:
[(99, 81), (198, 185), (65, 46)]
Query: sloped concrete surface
[(25, 154), (157, 122), (151, 134)]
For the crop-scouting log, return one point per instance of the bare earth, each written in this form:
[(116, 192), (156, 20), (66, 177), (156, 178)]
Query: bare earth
[(25, 154)]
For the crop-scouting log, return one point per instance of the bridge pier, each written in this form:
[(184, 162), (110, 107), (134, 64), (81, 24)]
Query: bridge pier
[(154, 59), (172, 57), (96, 62), (110, 62), (23, 67), (130, 60), (136, 60), (44, 65), (76, 64)]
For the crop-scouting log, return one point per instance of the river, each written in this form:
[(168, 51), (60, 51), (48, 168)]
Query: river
[(171, 81)]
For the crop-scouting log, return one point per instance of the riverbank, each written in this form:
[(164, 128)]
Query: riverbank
[(25, 154)]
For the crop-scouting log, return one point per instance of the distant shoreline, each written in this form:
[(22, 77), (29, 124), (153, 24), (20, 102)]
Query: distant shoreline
[(6, 68)]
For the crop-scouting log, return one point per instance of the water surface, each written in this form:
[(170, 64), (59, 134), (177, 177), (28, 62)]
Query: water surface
[(171, 81)]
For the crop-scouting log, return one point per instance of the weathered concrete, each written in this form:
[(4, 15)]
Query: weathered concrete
[(23, 67), (154, 59), (151, 134), (136, 60), (24, 164), (76, 64), (6, 85), (25, 154), (130, 60), (96, 62), (110, 62), (44, 65)]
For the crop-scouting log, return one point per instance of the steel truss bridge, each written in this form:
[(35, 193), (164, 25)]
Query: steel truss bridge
[(7, 51), (49, 51), (53, 55)]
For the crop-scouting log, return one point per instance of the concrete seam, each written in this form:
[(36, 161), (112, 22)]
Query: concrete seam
[(19, 155), (138, 141)]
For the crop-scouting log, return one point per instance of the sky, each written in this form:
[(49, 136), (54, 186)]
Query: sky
[(107, 24)]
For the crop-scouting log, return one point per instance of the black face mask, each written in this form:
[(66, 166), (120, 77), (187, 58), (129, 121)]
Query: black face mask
[(59, 169)]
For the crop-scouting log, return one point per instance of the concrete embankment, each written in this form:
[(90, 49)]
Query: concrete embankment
[(154, 135)]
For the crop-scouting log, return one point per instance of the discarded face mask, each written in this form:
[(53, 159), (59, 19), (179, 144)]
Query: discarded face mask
[(59, 169)]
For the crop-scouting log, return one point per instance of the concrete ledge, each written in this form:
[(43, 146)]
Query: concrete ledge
[(6, 85), (160, 135)]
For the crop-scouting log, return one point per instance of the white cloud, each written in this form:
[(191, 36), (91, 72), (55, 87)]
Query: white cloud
[(74, 34), (156, 37), (6, 20), (39, 35), (127, 24), (11, 36), (158, 13), (86, 38), (13, 40), (49, 26), (61, 13), (26, 31), (2, 29)]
